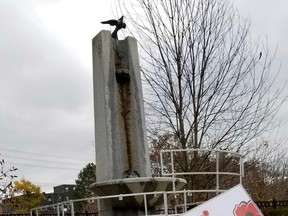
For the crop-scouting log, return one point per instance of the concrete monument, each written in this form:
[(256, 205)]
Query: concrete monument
[(122, 157)]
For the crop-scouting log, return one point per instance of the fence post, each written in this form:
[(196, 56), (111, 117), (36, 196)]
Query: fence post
[(165, 203), (217, 172), (274, 204), (58, 210), (72, 208), (172, 167)]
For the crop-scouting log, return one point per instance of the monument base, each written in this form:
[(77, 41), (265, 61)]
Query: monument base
[(122, 212), (134, 186)]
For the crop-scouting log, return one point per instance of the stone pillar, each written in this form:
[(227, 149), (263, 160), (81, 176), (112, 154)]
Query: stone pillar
[(120, 130), (122, 157)]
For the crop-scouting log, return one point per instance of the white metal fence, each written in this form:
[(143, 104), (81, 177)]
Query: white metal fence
[(212, 152), (180, 197)]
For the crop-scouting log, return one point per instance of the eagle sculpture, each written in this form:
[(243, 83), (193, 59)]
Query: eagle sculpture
[(119, 25)]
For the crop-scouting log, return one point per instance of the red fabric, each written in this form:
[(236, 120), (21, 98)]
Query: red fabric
[(246, 209), (205, 213)]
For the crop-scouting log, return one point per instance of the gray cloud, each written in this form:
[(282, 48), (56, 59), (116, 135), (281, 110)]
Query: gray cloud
[(46, 98)]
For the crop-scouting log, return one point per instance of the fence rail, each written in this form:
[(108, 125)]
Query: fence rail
[(217, 153), (272, 204), (182, 196), (46, 214)]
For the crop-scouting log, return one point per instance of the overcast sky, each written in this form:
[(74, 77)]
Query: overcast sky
[(46, 108)]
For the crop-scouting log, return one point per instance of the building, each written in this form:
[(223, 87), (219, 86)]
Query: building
[(60, 193)]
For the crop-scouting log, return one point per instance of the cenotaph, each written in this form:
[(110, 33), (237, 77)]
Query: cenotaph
[(122, 156)]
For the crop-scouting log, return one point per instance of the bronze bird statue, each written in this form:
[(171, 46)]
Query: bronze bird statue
[(119, 25)]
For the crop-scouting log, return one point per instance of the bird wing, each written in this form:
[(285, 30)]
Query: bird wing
[(110, 22)]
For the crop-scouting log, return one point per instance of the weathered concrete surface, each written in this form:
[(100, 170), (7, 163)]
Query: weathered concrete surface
[(138, 185), (120, 130)]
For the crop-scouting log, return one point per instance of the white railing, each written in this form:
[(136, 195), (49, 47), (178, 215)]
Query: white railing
[(182, 195), (173, 173), (166, 209)]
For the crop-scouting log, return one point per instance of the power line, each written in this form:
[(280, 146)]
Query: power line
[(40, 160), (38, 154), (43, 185), (48, 167)]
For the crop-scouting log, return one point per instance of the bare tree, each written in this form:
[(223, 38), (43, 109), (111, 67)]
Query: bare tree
[(6, 177), (208, 82), (267, 171)]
